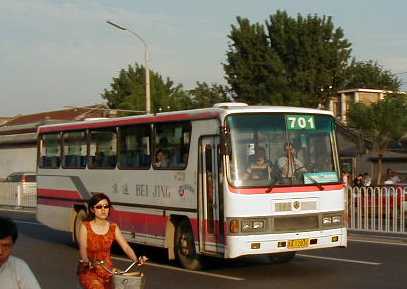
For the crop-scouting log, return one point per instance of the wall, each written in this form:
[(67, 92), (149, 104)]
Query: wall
[(17, 159), (369, 97)]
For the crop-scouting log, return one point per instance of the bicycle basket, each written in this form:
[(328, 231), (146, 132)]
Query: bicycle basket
[(132, 280)]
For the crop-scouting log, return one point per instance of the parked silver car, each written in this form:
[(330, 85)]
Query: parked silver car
[(26, 180)]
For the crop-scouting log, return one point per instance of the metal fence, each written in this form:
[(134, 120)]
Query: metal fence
[(371, 209), (377, 209), (19, 195)]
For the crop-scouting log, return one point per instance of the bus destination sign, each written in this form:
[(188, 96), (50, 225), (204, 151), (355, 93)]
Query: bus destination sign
[(299, 122)]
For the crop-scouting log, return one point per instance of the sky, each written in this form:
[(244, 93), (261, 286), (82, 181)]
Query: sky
[(61, 53)]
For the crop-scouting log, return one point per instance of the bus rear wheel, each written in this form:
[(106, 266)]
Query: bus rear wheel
[(284, 257), (79, 217), (185, 247)]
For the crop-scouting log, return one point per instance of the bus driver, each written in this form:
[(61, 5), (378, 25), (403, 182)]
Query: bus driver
[(260, 169), (289, 164)]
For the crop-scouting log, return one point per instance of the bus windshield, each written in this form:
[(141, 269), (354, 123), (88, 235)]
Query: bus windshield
[(281, 149)]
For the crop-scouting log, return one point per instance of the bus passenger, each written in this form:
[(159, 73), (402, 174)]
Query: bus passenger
[(161, 159), (261, 168), (95, 241), (289, 164)]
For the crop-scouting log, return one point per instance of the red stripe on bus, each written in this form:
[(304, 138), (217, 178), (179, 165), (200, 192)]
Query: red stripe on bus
[(146, 223), (135, 222), (53, 193), (293, 189), (140, 222), (57, 203), (129, 121)]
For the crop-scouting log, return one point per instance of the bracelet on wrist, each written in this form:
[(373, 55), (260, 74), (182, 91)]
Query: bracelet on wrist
[(84, 262)]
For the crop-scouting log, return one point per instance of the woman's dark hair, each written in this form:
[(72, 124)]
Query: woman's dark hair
[(96, 198), (8, 228)]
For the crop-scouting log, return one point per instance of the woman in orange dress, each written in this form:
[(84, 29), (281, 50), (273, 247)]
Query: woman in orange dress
[(95, 241)]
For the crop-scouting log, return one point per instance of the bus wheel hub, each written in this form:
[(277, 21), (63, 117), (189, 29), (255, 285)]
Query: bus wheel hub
[(185, 250)]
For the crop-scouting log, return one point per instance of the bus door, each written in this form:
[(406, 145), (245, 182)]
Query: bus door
[(211, 196)]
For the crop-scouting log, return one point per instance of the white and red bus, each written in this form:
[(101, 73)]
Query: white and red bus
[(189, 181)]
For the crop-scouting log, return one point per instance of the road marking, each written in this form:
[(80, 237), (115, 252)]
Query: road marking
[(378, 242), (185, 270), (340, 260), (30, 223)]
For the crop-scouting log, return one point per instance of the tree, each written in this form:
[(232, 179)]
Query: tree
[(127, 91), (205, 95), (286, 61), (369, 74), (250, 68), (380, 123)]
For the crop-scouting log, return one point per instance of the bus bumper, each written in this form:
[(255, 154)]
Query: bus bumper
[(273, 243)]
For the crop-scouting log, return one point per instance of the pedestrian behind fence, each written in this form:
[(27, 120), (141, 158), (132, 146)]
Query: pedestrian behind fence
[(358, 181), (367, 180), (345, 178), (14, 272), (392, 177)]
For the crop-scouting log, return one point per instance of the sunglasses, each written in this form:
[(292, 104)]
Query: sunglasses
[(102, 206)]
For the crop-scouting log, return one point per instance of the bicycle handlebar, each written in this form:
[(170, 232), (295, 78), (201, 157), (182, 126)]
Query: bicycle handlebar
[(116, 272)]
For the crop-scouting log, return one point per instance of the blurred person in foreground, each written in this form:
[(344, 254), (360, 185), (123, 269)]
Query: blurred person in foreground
[(14, 272), (95, 241)]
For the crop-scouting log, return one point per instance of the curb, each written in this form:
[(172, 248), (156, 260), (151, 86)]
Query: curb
[(389, 239), (18, 210)]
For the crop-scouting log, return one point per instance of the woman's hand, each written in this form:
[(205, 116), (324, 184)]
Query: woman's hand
[(141, 260), (83, 266), (115, 270)]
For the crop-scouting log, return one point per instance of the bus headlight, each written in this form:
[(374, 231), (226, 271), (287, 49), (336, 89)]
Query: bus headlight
[(336, 219), (246, 226), (331, 220), (258, 225), (252, 225), (326, 220)]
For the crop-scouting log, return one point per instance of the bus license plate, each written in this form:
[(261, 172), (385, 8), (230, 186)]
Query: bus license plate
[(297, 244)]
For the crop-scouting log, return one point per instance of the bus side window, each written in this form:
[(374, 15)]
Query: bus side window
[(134, 147), (173, 140), (74, 150), (50, 151), (102, 149)]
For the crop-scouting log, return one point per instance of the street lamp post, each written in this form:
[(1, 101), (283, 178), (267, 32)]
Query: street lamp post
[(146, 56)]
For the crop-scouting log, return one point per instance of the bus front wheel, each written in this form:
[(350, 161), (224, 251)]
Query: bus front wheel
[(79, 217), (283, 257), (185, 247)]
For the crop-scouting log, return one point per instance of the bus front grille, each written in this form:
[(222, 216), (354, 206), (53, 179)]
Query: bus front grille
[(295, 223)]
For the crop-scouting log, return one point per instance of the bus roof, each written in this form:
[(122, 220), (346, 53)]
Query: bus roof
[(219, 112)]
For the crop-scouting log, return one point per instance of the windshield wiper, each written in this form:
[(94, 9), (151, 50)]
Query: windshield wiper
[(315, 182), (269, 189)]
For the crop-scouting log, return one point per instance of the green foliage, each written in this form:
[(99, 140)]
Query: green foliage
[(205, 95), (369, 74), (250, 66), (286, 61), (381, 123), (127, 91)]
